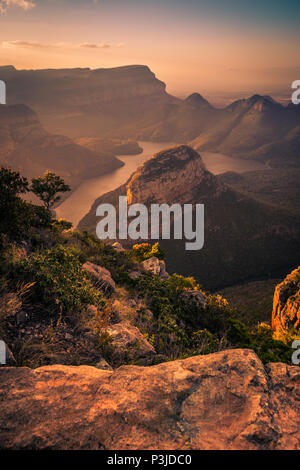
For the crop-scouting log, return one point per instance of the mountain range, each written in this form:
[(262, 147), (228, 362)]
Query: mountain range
[(130, 102), (88, 103), (26, 146)]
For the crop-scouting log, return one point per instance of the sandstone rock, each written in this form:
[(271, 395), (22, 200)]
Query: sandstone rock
[(179, 176), (156, 266), (118, 247), (170, 176), (194, 298), (102, 277), (134, 274), (286, 303), (103, 364), (128, 341), (226, 400)]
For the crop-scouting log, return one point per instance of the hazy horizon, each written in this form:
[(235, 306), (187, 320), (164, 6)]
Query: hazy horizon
[(221, 51)]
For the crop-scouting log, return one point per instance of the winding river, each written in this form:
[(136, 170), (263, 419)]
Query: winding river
[(80, 201)]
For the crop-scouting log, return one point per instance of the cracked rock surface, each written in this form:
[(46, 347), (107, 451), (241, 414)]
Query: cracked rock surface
[(226, 400)]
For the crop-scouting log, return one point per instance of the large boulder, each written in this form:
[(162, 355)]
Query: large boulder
[(129, 344), (286, 303), (226, 400), (194, 299), (156, 266), (101, 277)]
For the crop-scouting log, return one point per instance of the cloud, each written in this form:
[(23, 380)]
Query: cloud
[(25, 4), (33, 44), (102, 45), (61, 45)]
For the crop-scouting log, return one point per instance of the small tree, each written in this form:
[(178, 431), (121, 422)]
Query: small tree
[(47, 188), (11, 184), (16, 215), (13, 216)]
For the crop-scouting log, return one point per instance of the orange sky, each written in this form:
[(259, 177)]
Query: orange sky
[(196, 48)]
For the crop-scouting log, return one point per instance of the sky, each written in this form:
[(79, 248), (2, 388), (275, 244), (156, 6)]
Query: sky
[(220, 48)]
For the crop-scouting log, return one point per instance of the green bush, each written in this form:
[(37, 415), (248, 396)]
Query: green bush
[(17, 217), (144, 251), (60, 282)]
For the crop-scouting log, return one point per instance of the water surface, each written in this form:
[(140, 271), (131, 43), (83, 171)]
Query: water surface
[(80, 201)]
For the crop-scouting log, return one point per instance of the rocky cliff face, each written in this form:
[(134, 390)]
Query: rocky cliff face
[(286, 303), (227, 400), (243, 238), (173, 175), (28, 147), (87, 102)]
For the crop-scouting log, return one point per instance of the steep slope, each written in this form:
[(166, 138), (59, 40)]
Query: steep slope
[(26, 146), (286, 303), (284, 152), (84, 102), (227, 400), (243, 238), (181, 122), (279, 187), (247, 125)]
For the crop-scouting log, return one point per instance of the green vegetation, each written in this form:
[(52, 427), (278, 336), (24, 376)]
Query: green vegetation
[(253, 299), (180, 329), (42, 278), (58, 280), (48, 187), (17, 218), (143, 251)]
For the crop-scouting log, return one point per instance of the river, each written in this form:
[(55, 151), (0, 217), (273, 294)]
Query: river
[(81, 200)]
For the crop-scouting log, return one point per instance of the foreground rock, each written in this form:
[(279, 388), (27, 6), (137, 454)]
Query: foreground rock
[(129, 344), (195, 299), (156, 266), (227, 400), (286, 303), (101, 276)]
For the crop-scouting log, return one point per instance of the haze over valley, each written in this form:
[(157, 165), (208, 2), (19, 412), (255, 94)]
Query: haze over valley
[(149, 226)]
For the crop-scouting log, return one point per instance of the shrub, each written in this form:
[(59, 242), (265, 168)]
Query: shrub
[(17, 217), (61, 225), (143, 251), (60, 283)]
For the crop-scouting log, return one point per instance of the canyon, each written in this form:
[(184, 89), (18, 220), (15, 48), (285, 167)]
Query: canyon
[(131, 102), (28, 147), (236, 226)]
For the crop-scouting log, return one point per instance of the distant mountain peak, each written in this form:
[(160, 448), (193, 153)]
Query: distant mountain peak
[(263, 100), (195, 99)]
